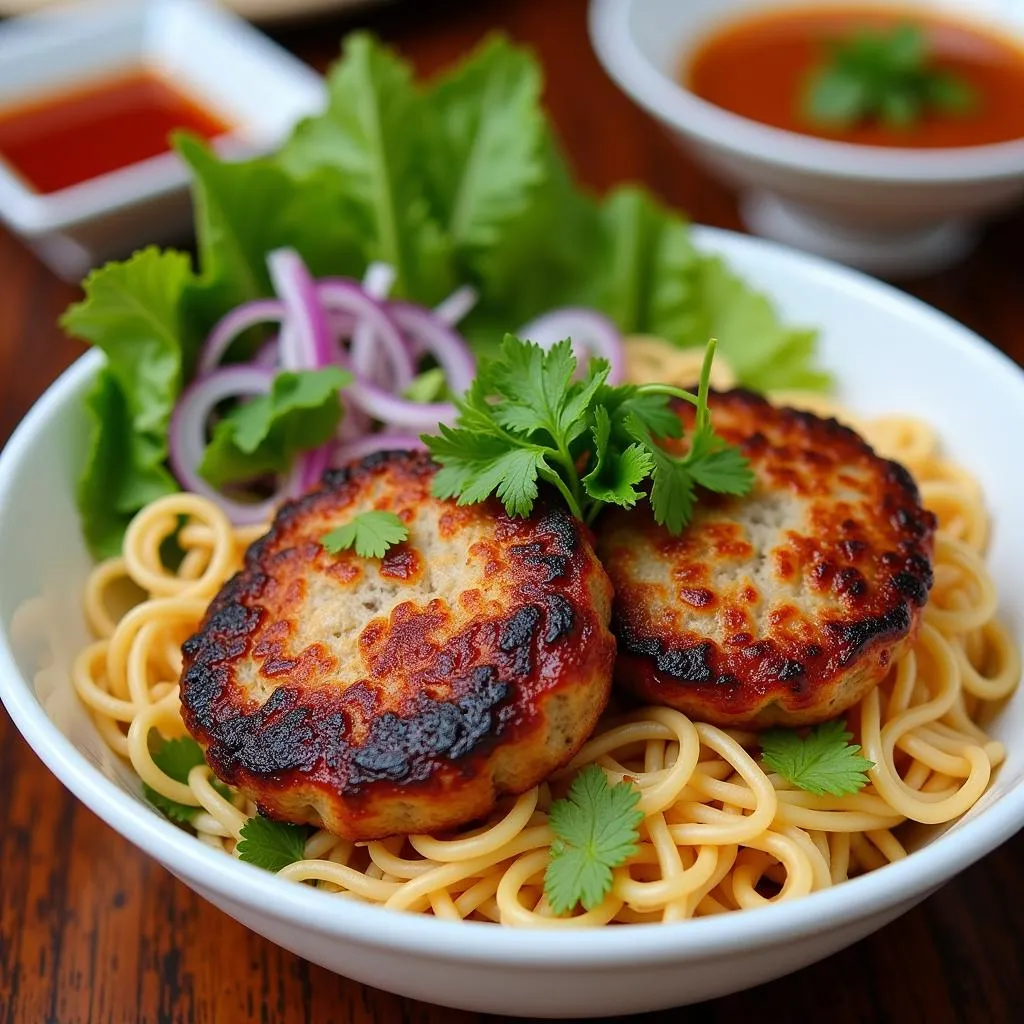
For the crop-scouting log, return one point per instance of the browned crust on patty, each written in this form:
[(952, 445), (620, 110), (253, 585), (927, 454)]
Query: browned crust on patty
[(403, 694), (784, 607)]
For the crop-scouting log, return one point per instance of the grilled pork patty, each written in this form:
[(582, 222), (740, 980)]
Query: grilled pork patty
[(783, 607), (402, 694)]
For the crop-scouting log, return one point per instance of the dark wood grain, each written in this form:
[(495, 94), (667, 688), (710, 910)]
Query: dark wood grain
[(92, 931)]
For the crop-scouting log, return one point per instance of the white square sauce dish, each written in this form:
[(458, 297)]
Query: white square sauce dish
[(170, 63)]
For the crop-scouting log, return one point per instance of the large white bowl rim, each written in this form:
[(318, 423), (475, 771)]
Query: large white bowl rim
[(475, 942)]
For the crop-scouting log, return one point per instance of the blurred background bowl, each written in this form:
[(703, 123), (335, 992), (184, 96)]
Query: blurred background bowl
[(886, 210)]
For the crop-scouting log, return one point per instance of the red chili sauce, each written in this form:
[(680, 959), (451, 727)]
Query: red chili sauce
[(73, 136)]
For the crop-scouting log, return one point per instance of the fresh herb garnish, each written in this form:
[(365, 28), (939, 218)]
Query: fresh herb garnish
[(265, 434), (822, 762), (370, 533), (175, 758), (883, 76), (272, 844), (595, 829), (527, 418)]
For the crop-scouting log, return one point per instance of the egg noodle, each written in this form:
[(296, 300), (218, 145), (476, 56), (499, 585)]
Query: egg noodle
[(719, 832)]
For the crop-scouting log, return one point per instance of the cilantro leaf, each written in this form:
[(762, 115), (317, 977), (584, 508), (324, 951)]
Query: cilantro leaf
[(272, 845), (717, 466), (596, 830), (882, 76), (616, 473), (475, 466), (370, 533), (526, 418), (822, 762), (175, 758), (265, 434), (178, 757), (673, 491), (533, 383)]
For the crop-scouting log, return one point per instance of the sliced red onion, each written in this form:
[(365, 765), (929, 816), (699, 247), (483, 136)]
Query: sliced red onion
[(379, 279), (372, 443), (399, 412), (354, 422), (268, 355), (457, 305), (381, 338), (313, 466), (589, 330), (366, 357), (231, 326), (437, 337), (305, 337), (187, 439)]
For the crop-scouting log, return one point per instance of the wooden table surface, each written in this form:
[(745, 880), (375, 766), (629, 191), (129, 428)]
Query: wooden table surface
[(93, 931)]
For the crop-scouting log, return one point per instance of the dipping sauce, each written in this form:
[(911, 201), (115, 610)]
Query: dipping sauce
[(72, 136), (759, 68)]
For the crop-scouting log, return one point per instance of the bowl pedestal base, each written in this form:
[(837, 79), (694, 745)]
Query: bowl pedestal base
[(897, 252)]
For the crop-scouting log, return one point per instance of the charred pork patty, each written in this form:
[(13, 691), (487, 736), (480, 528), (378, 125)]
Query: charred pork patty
[(783, 607), (402, 694)]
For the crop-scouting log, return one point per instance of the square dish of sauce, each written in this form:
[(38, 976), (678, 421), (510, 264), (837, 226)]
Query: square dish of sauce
[(88, 99), (80, 133)]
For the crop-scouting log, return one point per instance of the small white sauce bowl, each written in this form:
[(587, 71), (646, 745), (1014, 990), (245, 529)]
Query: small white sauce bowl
[(212, 56), (888, 211), (876, 341)]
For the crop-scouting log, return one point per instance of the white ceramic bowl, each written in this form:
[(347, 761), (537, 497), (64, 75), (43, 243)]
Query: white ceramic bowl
[(890, 352), (206, 52), (889, 211)]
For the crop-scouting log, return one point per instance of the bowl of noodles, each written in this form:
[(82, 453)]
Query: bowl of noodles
[(852, 863), (360, 695)]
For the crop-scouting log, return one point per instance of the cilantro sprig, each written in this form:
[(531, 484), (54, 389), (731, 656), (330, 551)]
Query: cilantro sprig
[(177, 758), (822, 762), (272, 844), (595, 827), (883, 76), (370, 533), (529, 418)]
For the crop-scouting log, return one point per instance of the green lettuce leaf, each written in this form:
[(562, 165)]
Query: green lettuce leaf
[(485, 152), (246, 209), (264, 435), (645, 281), (763, 351), (122, 470), (371, 136), (545, 257), (131, 311)]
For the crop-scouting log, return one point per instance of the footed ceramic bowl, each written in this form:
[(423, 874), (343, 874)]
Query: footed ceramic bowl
[(888, 211), (876, 341)]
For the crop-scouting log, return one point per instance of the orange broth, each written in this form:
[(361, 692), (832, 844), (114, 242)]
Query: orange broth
[(759, 68)]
